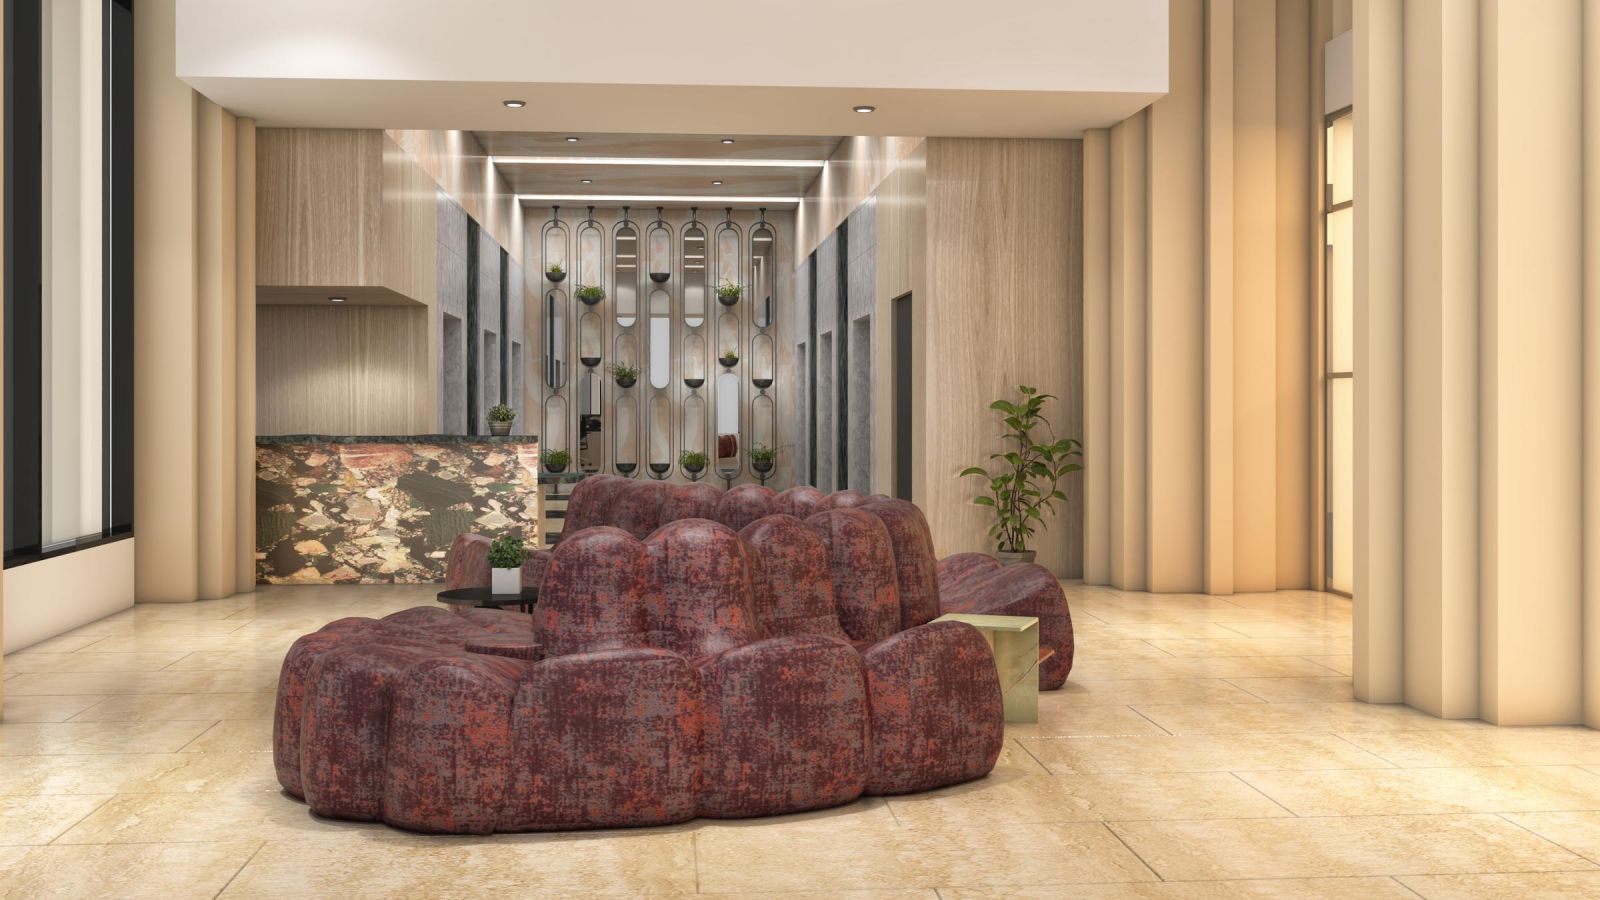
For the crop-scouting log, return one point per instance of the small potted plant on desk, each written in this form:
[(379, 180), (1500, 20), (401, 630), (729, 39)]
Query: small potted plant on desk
[(729, 293), (590, 294), (729, 359), (693, 462), (556, 273), (506, 556), (1023, 486), (762, 459), (626, 374), (500, 418), (555, 461)]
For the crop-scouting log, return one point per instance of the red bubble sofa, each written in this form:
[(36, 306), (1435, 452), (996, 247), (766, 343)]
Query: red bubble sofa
[(687, 671), (926, 588)]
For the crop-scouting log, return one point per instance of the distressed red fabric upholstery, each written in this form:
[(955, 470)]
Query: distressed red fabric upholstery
[(791, 577), (915, 565), (690, 501), (842, 500), (861, 559), (801, 502), (1023, 589), (467, 564), (744, 504), (590, 502)]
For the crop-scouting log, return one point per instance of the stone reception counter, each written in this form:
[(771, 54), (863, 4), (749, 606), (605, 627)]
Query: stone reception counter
[(383, 510)]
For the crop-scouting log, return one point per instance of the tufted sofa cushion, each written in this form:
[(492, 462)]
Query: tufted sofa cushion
[(861, 560), (744, 504)]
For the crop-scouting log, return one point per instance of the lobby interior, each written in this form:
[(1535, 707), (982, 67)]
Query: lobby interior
[(308, 304)]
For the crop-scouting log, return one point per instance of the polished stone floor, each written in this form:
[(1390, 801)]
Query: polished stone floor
[(1204, 747)]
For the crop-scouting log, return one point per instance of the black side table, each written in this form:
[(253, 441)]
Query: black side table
[(483, 598)]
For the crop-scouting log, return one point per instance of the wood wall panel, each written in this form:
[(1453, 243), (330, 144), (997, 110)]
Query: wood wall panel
[(852, 173), (348, 370), (319, 207), (460, 166)]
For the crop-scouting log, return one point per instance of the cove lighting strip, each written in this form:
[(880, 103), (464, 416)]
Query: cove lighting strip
[(649, 198), (657, 161)]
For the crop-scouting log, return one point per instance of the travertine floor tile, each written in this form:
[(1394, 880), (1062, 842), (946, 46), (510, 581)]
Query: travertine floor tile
[(31, 662), (127, 872), (44, 708), (1521, 886), (1198, 667), (1086, 720), (1199, 753), (38, 739), (170, 818), (1255, 718), (1576, 831), (1371, 888), (179, 707), (1257, 647), (1084, 798), (1333, 689), (234, 736), (39, 820), (1132, 691), (138, 773), (1417, 791), (1484, 745), (164, 682), (1340, 663), (1307, 848)]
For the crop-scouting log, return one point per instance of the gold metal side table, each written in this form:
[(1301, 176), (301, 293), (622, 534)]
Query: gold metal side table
[(1015, 642)]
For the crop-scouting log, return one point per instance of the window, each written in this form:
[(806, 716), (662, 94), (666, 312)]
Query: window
[(1339, 353), (68, 275)]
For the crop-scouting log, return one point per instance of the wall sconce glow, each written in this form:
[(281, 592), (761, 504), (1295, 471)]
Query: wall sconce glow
[(864, 109), (727, 140), (716, 182), (335, 299), (513, 104), (572, 140), (588, 181)]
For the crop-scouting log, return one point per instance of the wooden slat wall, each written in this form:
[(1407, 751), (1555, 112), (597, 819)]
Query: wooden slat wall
[(319, 207), (342, 370)]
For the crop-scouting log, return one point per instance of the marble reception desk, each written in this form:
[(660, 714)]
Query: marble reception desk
[(383, 510)]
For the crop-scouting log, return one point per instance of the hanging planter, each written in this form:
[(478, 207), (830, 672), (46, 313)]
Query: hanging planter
[(660, 470), (590, 294), (589, 361), (729, 359), (556, 273), (761, 383), (729, 293), (693, 383), (626, 469), (626, 375), (555, 461)]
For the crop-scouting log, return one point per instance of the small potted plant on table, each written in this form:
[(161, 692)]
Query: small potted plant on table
[(1023, 486), (500, 418), (555, 461), (506, 556), (729, 293), (590, 294), (556, 273), (626, 374), (693, 462)]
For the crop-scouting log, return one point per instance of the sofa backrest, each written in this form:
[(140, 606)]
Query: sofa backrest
[(915, 566), (800, 501), (703, 598), (744, 504), (689, 501), (595, 593), (865, 592), (792, 577)]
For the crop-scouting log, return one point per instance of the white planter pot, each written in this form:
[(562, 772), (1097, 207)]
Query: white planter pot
[(505, 581)]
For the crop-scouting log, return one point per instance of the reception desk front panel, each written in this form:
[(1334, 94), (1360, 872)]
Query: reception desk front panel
[(383, 510)]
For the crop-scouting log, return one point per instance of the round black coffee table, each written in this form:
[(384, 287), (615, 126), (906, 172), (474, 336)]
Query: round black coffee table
[(484, 598)]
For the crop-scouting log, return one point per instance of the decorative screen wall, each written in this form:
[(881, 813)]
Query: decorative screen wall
[(663, 356)]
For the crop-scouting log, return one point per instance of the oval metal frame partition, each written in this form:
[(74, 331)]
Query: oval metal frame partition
[(554, 245)]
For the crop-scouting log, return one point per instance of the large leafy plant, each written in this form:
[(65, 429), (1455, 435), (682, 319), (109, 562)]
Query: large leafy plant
[(1024, 483)]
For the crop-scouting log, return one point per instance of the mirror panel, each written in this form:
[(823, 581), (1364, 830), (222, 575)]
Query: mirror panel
[(554, 436), (763, 360), (625, 284), (627, 349), (727, 254), (695, 271), (555, 339), (590, 351), (660, 352), (660, 252), (694, 423), (661, 460), (763, 278), (590, 254), (728, 335), (591, 439), (694, 360), (555, 245), (626, 435), (728, 401), (763, 426)]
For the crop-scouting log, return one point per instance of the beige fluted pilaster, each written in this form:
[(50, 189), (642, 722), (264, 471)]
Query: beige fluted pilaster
[(1298, 196), (244, 351), (1097, 356), (1219, 325), (1129, 366), (1591, 363), (1532, 405), (1175, 322), (1378, 323)]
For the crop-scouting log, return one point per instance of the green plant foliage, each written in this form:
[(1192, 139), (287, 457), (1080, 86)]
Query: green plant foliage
[(556, 458), (623, 371), (1023, 485), (762, 453), (555, 269), (692, 460), (501, 413), (507, 552), (729, 354), (729, 291), (591, 293)]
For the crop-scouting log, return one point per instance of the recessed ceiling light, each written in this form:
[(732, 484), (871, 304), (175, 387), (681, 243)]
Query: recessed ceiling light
[(864, 109), (588, 181), (335, 299), (727, 140), (513, 104), (572, 140), (716, 182)]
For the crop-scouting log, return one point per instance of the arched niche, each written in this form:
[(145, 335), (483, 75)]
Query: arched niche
[(728, 336), (694, 423), (553, 245), (696, 274), (660, 338), (554, 315), (659, 431), (658, 248), (554, 436), (763, 278), (729, 441), (726, 246), (694, 360), (589, 399), (763, 421), (763, 360), (625, 271), (591, 349), (591, 254), (625, 432)]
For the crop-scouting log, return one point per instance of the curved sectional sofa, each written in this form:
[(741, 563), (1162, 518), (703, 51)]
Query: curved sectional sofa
[(694, 652)]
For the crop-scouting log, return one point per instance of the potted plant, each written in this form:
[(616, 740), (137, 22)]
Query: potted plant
[(1022, 488), (556, 273), (626, 374), (762, 458), (506, 556), (591, 294), (556, 461), (500, 418), (693, 461), (728, 358), (729, 293)]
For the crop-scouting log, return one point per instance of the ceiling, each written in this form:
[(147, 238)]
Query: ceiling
[(685, 167)]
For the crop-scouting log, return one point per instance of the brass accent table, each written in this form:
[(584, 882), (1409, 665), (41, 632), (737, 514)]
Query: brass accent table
[(1015, 642)]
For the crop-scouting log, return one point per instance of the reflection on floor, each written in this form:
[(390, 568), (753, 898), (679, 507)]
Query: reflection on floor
[(1199, 740)]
